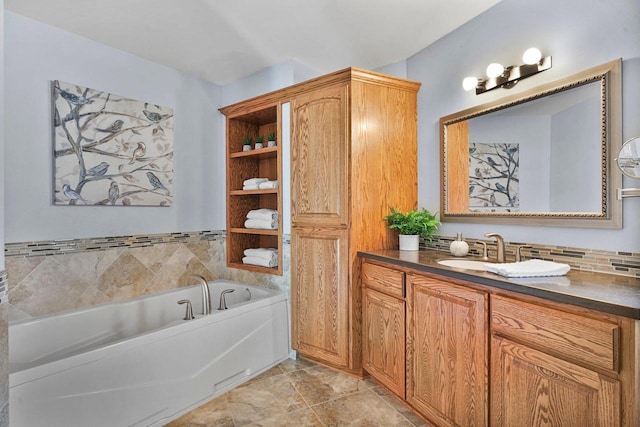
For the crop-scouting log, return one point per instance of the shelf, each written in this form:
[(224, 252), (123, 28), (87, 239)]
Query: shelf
[(252, 192), (255, 268), (261, 153), (241, 230)]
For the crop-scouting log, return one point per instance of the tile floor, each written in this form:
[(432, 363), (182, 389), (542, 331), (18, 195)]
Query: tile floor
[(300, 393)]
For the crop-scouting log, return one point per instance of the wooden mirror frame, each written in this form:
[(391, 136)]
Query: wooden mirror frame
[(609, 76)]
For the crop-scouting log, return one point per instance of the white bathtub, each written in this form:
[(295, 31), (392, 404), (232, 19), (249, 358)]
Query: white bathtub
[(137, 362)]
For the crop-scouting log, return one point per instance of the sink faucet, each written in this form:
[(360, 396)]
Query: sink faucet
[(206, 298), (499, 244)]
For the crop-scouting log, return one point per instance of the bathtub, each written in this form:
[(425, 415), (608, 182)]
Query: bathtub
[(137, 362)]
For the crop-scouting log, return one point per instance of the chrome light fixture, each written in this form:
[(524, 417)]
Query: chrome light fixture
[(499, 76)]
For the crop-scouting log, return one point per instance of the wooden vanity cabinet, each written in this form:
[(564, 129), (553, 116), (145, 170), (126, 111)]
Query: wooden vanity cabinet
[(447, 351), (353, 144)]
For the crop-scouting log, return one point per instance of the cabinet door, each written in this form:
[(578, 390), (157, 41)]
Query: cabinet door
[(320, 293), (531, 388), (447, 352), (320, 157), (383, 343)]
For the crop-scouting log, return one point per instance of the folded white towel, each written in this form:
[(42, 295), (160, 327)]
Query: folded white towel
[(268, 184), (266, 214), (530, 268), (251, 187), (259, 261), (266, 253), (263, 224), (254, 181)]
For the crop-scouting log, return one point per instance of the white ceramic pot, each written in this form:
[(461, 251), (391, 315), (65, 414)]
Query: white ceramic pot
[(271, 143), (246, 148), (258, 145), (409, 242)]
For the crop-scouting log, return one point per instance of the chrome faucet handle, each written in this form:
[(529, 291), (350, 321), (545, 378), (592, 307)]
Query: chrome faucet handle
[(223, 303), (519, 253), (188, 315), (485, 256)]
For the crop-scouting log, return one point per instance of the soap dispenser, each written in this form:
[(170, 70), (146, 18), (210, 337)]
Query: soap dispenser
[(459, 247)]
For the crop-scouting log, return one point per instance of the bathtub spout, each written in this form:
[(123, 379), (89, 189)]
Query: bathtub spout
[(223, 303), (206, 297)]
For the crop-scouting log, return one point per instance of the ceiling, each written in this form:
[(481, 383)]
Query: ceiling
[(225, 40)]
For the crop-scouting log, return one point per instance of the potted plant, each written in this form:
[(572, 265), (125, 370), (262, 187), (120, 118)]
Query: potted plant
[(271, 140), (412, 225), (246, 145), (259, 141)]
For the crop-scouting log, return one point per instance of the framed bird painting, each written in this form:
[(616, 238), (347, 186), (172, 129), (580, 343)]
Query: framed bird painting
[(494, 182), (110, 150)]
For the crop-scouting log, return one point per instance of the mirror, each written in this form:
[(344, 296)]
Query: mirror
[(542, 157), (629, 158)]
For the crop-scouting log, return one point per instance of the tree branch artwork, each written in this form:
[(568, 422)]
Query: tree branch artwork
[(493, 177), (110, 150)]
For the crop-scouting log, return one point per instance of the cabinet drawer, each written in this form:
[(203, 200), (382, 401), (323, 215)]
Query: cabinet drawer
[(383, 279), (569, 336)]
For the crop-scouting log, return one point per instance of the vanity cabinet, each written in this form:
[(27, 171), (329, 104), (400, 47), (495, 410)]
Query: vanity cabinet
[(353, 144), (447, 353), (481, 356)]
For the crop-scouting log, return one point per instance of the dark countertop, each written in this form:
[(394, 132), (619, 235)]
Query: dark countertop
[(619, 295)]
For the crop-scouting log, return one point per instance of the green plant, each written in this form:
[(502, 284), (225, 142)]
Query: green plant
[(271, 136), (247, 140), (420, 222), (259, 139)]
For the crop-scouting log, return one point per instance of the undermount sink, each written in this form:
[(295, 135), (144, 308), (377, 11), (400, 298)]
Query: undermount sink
[(467, 264)]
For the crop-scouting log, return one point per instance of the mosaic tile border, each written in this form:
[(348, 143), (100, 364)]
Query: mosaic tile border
[(3, 286), (610, 262), (619, 263)]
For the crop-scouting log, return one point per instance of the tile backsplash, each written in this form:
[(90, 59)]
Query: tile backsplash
[(47, 277), (610, 262)]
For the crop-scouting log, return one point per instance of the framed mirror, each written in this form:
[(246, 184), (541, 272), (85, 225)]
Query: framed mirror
[(542, 157)]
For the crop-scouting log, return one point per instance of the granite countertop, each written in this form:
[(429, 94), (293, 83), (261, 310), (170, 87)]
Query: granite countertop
[(609, 293)]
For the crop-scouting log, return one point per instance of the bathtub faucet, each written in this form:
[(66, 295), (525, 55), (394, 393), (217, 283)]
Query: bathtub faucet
[(206, 297), (223, 303)]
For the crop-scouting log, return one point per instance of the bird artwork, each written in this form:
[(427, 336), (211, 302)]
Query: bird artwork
[(113, 128), (114, 192), (493, 175), (98, 170), (155, 182), (492, 199), (154, 117), (105, 145), (492, 162), (72, 195), (72, 98), (140, 151), (500, 187)]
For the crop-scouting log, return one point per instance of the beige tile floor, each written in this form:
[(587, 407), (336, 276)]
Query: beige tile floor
[(300, 393)]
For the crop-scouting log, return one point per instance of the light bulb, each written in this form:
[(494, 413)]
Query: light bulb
[(494, 70), (531, 56), (469, 83)]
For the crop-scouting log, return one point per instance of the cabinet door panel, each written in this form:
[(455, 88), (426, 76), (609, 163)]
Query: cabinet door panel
[(320, 157), (384, 339), (531, 388), (447, 351), (319, 292)]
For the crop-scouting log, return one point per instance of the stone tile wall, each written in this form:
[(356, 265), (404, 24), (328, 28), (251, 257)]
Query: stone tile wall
[(610, 262), (55, 276)]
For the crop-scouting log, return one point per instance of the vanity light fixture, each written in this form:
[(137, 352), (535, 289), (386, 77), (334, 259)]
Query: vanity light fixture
[(499, 76)]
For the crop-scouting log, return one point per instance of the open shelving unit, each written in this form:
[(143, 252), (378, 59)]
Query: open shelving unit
[(251, 121)]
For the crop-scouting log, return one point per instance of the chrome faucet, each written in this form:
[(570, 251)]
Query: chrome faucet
[(223, 303), (499, 244), (206, 297)]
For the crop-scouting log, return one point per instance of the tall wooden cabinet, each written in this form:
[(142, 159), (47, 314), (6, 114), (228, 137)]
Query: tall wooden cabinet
[(353, 157)]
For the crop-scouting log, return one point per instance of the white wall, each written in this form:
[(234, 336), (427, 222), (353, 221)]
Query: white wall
[(578, 36), (36, 54)]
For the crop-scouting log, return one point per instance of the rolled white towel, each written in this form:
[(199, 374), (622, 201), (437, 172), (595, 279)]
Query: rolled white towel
[(251, 187), (254, 181), (266, 214), (263, 224), (268, 184), (530, 268), (259, 261), (266, 253)]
